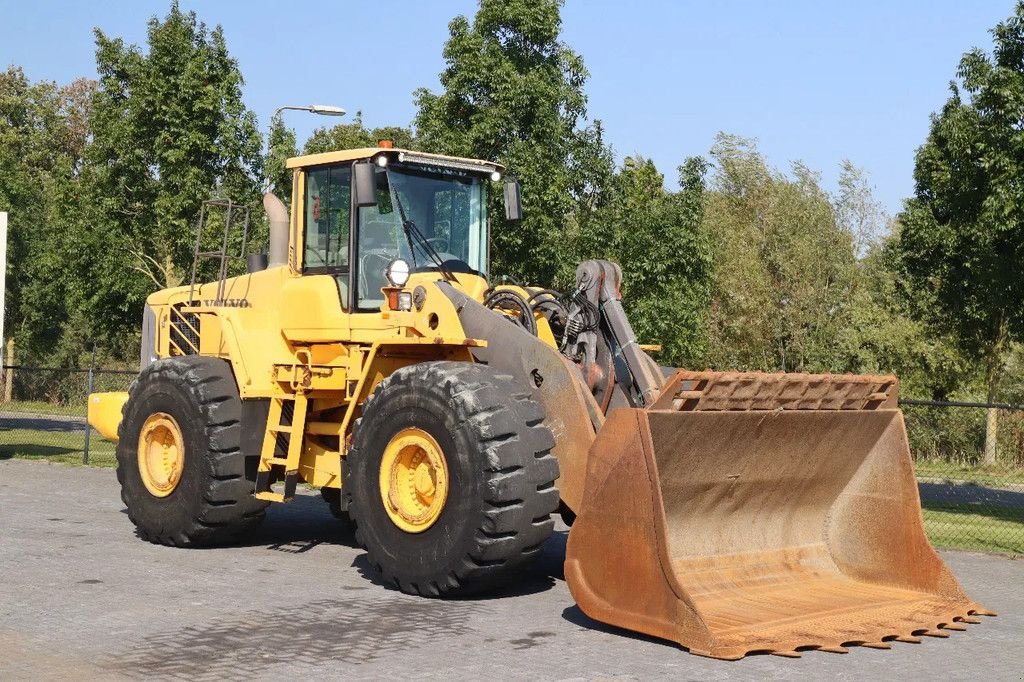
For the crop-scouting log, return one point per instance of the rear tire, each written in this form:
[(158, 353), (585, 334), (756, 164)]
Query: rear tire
[(212, 501), (499, 467), (332, 496)]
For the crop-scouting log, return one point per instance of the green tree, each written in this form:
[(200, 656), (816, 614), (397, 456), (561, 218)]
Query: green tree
[(356, 134), (784, 268), (43, 131), (656, 236), (513, 92), (962, 237), (281, 146), (169, 130)]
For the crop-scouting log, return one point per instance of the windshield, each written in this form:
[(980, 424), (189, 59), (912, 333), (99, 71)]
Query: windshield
[(448, 207)]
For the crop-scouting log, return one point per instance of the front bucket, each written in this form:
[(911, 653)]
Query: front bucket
[(734, 532)]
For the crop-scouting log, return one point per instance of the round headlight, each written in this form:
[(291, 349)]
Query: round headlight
[(397, 272), (495, 176), (382, 160)]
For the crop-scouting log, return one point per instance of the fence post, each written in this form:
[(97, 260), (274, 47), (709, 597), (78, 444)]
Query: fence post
[(88, 392), (9, 372)]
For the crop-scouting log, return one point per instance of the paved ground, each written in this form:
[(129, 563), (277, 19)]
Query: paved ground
[(83, 598)]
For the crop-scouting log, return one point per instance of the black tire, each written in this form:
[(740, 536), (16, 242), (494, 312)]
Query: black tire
[(501, 478), (213, 502), (332, 496)]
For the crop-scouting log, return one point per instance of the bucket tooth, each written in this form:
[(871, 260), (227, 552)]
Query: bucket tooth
[(968, 619), (732, 530), (876, 645), (932, 633), (908, 639), (834, 649), (787, 654), (979, 611), (954, 626)]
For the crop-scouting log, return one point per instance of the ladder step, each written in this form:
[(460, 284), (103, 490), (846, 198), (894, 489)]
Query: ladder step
[(276, 461), (270, 496), (280, 429)]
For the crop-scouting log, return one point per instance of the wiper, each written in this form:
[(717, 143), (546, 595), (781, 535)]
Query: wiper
[(411, 230)]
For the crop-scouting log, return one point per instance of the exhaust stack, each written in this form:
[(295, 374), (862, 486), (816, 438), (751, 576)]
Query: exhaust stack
[(277, 214)]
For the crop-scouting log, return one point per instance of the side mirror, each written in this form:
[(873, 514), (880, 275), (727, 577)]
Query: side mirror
[(365, 184), (513, 200)]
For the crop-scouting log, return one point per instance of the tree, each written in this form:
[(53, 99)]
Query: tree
[(962, 237), (656, 236), (857, 210), (512, 92), (784, 269), (281, 147), (170, 130), (43, 131), (356, 134)]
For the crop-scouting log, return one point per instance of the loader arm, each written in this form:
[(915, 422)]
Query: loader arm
[(596, 319)]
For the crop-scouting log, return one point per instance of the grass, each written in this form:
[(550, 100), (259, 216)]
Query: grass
[(41, 407), (998, 475), (975, 527), (55, 446)]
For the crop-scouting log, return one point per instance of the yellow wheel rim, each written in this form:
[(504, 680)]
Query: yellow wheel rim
[(161, 454), (413, 480)]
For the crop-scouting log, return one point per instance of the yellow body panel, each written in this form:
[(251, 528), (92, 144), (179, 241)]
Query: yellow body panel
[(104, 412)]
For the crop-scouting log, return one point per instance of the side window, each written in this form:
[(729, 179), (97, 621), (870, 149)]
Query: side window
[(381, 240), (328, 206)]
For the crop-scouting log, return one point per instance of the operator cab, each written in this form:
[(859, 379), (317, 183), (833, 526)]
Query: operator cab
[(363, 209)]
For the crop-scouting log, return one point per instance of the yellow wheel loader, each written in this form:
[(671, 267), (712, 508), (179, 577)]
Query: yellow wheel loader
[(448, 418)]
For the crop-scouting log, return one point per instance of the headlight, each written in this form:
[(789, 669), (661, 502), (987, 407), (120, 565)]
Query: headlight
[(397, 272), (404, 300), (495, 176)]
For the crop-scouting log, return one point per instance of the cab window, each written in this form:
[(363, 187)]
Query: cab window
[(328, 208)]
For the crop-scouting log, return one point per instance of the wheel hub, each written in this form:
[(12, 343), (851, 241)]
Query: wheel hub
[(161, 454), (413, 480)]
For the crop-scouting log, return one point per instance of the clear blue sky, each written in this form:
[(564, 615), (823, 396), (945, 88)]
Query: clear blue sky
[(815, 81)]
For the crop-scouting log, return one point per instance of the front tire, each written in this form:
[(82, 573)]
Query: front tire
[(495, 474), (187, 483)]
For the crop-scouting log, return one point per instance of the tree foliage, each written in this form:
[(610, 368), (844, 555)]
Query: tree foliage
[(43, 132), (656, 236), (784, 267), (962, 236), (513, 92), (356, 134), (170, 130)]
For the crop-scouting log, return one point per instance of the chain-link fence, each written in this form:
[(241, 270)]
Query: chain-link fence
[(968, 503), (42, 413)]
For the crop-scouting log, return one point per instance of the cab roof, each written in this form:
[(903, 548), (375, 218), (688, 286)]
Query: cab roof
[(367, 152)]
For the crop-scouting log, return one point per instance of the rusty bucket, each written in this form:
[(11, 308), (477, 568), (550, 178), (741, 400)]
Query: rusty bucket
[(771, 513)]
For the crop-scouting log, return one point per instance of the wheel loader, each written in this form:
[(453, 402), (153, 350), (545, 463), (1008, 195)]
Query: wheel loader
[(448, 416)]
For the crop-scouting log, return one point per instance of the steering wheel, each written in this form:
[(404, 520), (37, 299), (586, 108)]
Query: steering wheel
[(367, 267)]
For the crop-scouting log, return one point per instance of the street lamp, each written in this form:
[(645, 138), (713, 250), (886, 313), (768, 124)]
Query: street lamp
[(318, 109)]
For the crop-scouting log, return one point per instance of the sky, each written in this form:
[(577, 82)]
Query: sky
[(815, 81)]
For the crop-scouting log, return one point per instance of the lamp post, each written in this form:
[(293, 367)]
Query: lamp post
[(318, 109)]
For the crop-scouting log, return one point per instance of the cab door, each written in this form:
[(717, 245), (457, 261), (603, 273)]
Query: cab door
[(316, 303)]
